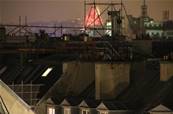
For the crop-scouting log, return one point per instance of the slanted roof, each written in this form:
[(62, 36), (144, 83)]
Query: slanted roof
[(13, 101), (89, 103), (3, 109), (160, 108), (58, 92), (13, 73), (89, 92), (71, 101), (57, 101), (111, 105)]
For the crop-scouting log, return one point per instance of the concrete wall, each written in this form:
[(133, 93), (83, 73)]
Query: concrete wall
[(79, 76), (111, 79), (14, 104), (166, 70)]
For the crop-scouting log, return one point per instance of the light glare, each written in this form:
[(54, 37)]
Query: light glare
[(47, 72)]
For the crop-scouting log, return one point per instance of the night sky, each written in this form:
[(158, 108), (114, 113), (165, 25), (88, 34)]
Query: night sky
[(63, 10)]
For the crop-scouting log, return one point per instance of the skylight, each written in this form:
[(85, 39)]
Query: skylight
[(48, 70)]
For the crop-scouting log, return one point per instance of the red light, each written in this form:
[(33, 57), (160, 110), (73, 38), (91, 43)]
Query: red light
[(93, 18)]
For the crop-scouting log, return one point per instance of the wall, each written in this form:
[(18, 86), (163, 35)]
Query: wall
[(111, 79), (166, 70), (79, 75), (14, 104)]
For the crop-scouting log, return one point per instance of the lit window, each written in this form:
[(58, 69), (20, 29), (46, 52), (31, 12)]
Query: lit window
[(103, 112), (47, 72), (85, 111), (66, 110), (51, 110), (109, 24)]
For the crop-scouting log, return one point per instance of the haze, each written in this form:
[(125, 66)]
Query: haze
[(63, 10)]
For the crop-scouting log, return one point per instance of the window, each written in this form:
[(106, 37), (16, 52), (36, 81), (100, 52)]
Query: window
[(103, 112), (66, 110), (51, 110), (85, 111), (47, 72)]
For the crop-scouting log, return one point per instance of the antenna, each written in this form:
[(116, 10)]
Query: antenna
[(144, 9), (144, 2)]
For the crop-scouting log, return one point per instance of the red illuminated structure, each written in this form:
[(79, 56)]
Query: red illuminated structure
[(93, 17)]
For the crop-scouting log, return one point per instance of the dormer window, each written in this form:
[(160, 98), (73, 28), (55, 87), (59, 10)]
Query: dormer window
[(85, 111), (51, 110), (67, 110), (103, 112)]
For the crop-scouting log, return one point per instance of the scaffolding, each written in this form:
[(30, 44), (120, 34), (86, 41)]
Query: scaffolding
[(106, 7), (28, 92)]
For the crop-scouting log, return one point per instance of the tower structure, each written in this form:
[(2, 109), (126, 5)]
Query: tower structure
[(144, 8), (143, 17)]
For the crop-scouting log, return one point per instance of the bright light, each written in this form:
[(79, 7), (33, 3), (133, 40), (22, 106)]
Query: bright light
[(51, 110), (93, 18), (108, 24), (47, 72), (151, 22)]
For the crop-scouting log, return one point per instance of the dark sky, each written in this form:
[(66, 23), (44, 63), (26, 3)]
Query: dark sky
[(53, 10)]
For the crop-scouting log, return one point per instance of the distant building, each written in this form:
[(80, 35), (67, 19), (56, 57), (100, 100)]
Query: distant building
[(168, 29), (153, 29)]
